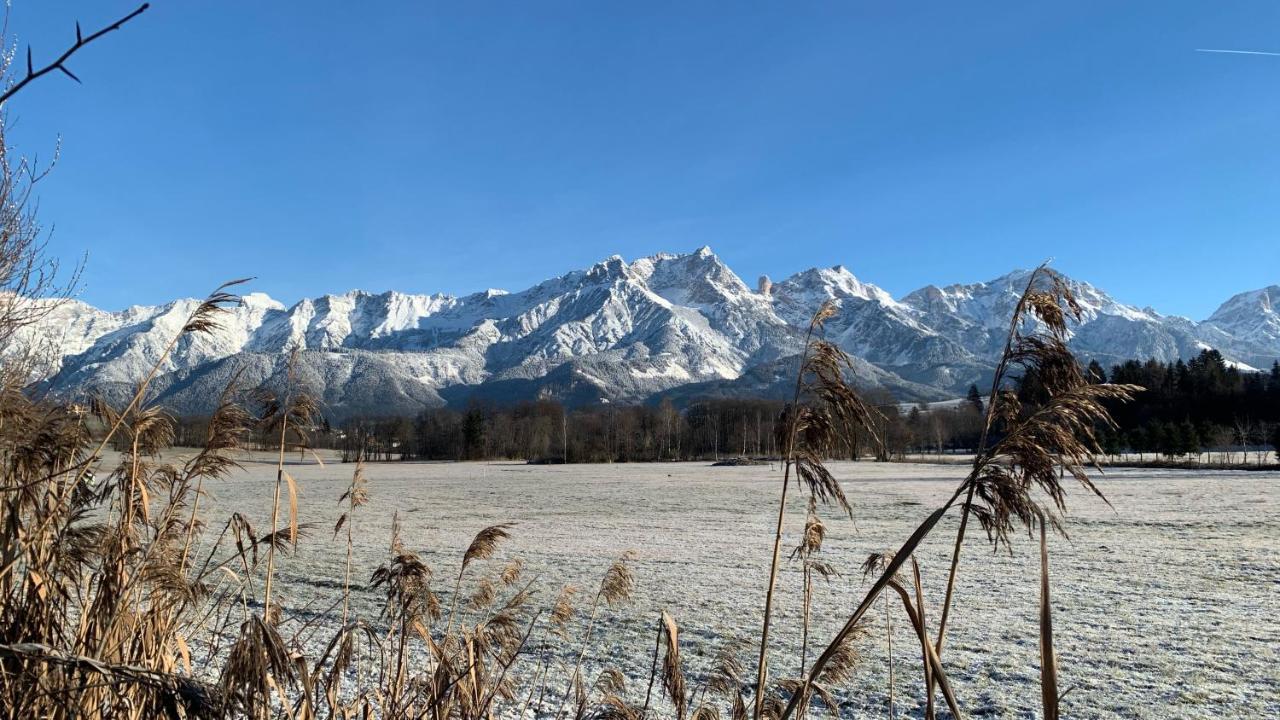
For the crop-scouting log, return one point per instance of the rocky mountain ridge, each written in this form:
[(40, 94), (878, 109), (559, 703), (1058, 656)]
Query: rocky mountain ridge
[(670, 324)]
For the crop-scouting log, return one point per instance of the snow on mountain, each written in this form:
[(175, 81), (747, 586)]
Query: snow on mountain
[(873, 326), (700, 283), (651, 324), (1255, 313), (1250, 324), (69, 328), (977, 315), (678, 324)]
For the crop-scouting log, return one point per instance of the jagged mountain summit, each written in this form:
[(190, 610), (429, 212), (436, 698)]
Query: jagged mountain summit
[(976, 316), (1253, 320), (675, 325)]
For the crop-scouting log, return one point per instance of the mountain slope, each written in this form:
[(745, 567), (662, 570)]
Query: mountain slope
[(872, 325), (1249, 324), (675, 325), (976, 316)]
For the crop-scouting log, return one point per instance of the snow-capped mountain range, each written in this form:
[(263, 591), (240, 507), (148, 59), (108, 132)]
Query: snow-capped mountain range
[(679, 325)]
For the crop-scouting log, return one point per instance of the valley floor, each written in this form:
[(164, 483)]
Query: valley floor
[(1165, 603)]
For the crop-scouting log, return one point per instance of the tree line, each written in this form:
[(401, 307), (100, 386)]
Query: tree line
[(1188, 408), (550, 432), (547, 431), (1194, 406)]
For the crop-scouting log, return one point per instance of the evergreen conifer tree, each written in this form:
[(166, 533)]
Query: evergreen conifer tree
[(975, 398), (1095, 373)]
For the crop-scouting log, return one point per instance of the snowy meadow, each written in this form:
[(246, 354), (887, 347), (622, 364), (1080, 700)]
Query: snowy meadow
[(1163, 602)]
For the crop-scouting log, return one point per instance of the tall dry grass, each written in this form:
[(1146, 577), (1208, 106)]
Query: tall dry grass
[(122, 598)]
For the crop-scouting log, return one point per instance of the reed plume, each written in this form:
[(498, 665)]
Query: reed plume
[(287, 415), (1036, 449), (831, 413), (615, 589)]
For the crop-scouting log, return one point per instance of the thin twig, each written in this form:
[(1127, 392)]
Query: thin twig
[(60, 63)]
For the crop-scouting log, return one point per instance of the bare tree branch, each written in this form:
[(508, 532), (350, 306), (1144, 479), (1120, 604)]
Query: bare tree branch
[(60, 63)]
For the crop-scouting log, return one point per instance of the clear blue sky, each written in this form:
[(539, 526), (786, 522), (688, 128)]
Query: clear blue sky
[(424, 147)]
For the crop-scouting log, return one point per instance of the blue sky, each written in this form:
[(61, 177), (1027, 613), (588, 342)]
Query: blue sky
[(425, 147)]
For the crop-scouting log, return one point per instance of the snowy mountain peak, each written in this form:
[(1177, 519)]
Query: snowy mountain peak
[(835, 283), (990, 303), (1254, 314), (617, 329), (612, 267), (1265, 301), (698, 279), (260, 300)]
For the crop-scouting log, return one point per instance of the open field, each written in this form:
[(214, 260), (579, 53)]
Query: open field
[(1165, 604)]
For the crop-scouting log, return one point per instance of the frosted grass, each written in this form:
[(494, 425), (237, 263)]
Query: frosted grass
[(1165, 605)]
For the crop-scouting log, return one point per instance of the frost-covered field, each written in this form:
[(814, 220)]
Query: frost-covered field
[(1166, 606)]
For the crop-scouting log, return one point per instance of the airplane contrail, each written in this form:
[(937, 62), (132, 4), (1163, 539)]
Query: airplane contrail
[(1239, 52)]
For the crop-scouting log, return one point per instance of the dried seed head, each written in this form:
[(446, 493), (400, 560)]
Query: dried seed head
[(726, 671), (618, 582), (1052, 434), (839, 668), (511, 572), (814, 533), (562, 610), (611, 681), (484, 595), (206, 315), (356, 494), (875, 563), (485, 543)]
